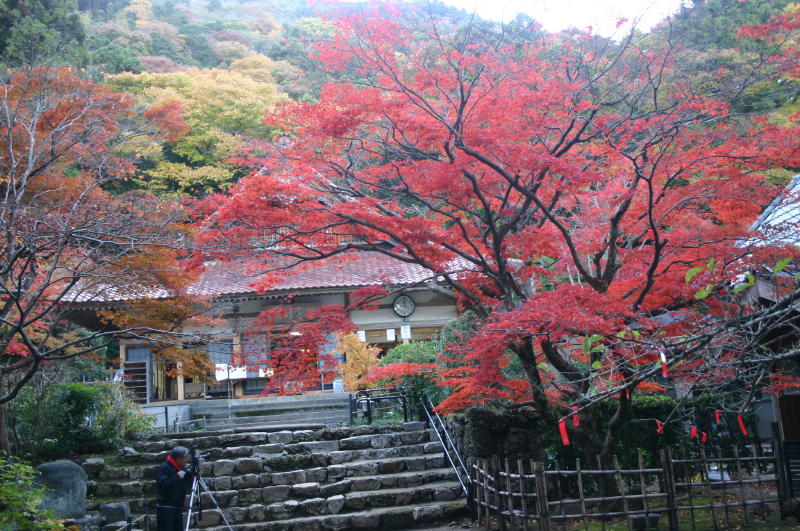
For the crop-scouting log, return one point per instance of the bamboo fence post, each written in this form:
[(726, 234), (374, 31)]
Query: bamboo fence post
[(622, 488), (486, 494), (740, 479), (477, 489), (669, 489), (781, 478), (523, 502), (541, 496), (602, 493), (643, 486), (763, 508), (709, 493), (580, 493), (721, 468), (510, 504), (689, 485), (498, 493), (559, 495)]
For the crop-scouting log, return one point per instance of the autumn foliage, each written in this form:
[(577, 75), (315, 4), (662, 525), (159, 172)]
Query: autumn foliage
[(68, 242), (360, 360), (589, 205)]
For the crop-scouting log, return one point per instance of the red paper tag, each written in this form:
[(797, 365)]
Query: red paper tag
[(628, 393), (664, 371), (741, 424), (704, 437), (562, 429), (693, 432), (576, 419), (717, 414), (659, 427)]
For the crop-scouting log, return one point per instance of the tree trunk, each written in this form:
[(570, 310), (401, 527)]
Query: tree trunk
[(524, 350), (4, 440)]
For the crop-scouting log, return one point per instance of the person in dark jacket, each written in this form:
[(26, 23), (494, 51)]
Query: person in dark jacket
[(172, 483)]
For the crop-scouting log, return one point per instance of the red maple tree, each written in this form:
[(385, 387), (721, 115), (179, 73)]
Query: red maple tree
[(588, 202)]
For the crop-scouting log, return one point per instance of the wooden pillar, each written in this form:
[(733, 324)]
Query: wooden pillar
[(181, 382)]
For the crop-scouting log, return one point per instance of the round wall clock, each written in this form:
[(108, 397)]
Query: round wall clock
[(403, 305)]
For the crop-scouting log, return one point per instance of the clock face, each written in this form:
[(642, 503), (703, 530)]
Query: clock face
[(403, 306)]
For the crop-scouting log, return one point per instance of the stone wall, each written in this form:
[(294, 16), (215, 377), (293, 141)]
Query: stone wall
[(486, 431)]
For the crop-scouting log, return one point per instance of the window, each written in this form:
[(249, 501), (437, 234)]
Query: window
[(221, 351), (137, 354), (256, 355), (254, 386)]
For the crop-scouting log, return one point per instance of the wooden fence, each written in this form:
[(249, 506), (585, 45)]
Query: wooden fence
[(708, 490)]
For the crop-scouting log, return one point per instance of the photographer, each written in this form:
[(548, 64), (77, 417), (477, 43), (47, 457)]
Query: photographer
[(172, 481)]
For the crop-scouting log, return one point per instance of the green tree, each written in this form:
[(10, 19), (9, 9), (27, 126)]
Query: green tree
[(32, 31), (114, 58), (713, 24)]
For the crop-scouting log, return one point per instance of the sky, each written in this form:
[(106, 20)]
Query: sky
[(554, 15)]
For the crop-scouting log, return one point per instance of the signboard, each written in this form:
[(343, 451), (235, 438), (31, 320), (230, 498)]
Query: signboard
[(390, 334), (405, 332), (223, 371), (362, 336)]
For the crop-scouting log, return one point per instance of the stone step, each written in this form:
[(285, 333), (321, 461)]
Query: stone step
[(281, 433), (252, 409), (274, 508), (396, 517), (275, 457), (259, 444), (247, 478), (314, 416), (351, 438), (223, 473), (272, 399)]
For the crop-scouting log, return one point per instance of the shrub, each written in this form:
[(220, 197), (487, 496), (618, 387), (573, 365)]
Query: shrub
[(20, 498), (419, 353), (71, 418)]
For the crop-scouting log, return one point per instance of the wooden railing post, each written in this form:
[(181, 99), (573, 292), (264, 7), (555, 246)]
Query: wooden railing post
[(541, 496), (669, 489), (498, 496)]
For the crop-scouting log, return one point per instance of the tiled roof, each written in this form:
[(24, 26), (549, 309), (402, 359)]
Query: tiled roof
[(355, 270), (780, 221), (219, 279)]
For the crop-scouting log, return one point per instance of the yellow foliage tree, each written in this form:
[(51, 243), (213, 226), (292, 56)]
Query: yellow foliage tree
[(361, 359), (223, 109)]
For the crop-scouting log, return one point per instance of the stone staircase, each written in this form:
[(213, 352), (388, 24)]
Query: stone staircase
[(392, 477), (323, 409)]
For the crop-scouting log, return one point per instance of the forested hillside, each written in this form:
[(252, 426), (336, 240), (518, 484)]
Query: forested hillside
[(222, 63)]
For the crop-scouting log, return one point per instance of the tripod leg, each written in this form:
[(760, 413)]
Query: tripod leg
[(214, 500), (195, 494)]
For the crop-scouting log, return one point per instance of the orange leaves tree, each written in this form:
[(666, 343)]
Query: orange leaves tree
[(561, 187), (65, 239)]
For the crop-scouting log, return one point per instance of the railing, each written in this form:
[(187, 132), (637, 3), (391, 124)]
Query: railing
[(178, 426), (141, 522), (450, 450), (371, 402)]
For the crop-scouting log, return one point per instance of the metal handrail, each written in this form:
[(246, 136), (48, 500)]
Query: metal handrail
[(436, 422), (364, 397), (133, 523)]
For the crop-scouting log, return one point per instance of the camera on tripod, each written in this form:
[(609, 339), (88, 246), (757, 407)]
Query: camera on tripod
[(196, 460)]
